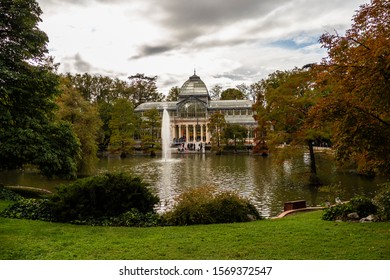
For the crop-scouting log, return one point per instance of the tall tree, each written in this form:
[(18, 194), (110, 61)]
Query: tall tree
[(85, 121), (282, 114), (144, 89), (216, 126), (235, 132), (28, 88), (173, 94), (215, 92), (356, 75), (151, 128), (122, 125)]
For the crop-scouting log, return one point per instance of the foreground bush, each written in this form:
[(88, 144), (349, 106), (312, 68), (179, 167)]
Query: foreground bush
[(204, 205), (107, 195), (382, 201)]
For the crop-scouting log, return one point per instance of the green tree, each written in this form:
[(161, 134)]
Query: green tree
[(356, 76), (122, 125), (235, 132), (103, 91), (85, 121), (216, 126), (28, 88), (151, 128), (282, 113), (144, 89), (173, 94), (232, 94)]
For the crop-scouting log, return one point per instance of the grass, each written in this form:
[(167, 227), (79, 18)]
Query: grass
[(302, 236)]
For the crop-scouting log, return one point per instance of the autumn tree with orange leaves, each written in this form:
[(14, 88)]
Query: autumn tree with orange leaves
[(356, 78)]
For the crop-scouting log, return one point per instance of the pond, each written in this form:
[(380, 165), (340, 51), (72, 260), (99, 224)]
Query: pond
[(266, 181)]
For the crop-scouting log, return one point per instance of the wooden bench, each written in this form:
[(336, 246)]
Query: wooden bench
[(297, 204)]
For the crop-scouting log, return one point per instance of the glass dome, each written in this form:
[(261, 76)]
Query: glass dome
[(194, 86)]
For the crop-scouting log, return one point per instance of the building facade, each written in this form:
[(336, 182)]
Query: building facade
[(189, 116)]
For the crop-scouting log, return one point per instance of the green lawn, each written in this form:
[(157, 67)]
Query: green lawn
[(301, 236)]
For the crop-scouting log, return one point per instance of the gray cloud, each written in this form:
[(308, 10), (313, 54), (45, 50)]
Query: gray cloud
[(191, 16), (81, 65), (148, 50), (187, 21)]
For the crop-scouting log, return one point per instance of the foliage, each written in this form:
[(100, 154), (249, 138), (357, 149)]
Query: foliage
[(216, 126), (28, 88), (203, 205), (382, 201), (235, 132), (339, 211), (135, 218), (363, 206), (173, 94), (29, 208), (215, 92), (81, 114), (144, 89), (150, 130), (232, 94), (6, 194), (107, 195), (59, 151), (122, 125), (282, 109), (356, 79)]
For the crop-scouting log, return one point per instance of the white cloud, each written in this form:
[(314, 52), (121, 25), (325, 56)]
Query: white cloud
[(227, 41)]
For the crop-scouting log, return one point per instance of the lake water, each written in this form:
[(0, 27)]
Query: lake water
[(267, 182)]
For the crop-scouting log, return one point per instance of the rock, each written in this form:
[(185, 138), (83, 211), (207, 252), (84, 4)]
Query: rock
[(251, 217), (353, 216), (370, 218)]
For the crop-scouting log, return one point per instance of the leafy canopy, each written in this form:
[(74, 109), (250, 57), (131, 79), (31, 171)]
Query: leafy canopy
[(28, 88), (356, 76)]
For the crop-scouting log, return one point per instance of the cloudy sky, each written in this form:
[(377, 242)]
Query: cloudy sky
[(229, 42)]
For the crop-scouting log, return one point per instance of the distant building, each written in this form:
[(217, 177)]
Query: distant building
[(190, 115)]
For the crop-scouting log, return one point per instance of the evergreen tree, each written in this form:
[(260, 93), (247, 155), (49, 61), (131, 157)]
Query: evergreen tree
[(151, 129), (122, 125)]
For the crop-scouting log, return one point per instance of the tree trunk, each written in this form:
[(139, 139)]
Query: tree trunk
[(313, 168), (314, 181)]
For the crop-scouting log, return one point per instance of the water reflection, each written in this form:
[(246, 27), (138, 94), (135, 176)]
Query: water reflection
[(267, 182)]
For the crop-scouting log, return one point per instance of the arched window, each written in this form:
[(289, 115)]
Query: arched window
[(192, 109)]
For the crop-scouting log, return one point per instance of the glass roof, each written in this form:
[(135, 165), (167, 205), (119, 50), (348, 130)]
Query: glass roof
[(233, 104), (194, 86), (158, 105)]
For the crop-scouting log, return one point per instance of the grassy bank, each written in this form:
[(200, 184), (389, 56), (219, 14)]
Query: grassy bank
[(303, 236)]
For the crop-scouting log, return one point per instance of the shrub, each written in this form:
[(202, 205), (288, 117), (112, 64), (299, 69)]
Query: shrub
[(107, 195), (382, 201), (135, 218), (363, 206), (6, 194), (337, 212), (203, 205), (29, 208)]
